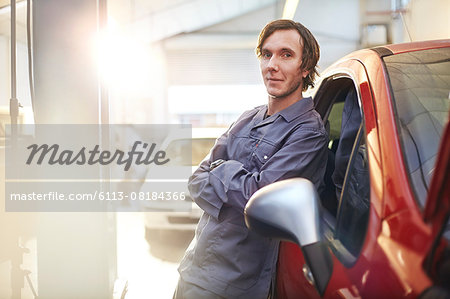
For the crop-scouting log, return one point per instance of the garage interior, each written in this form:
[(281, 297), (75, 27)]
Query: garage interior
[(151, 62)]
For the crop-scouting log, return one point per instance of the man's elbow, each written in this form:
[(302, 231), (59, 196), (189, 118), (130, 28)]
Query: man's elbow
[(197, 183)]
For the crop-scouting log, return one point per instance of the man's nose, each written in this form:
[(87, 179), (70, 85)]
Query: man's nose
[(273, 64)]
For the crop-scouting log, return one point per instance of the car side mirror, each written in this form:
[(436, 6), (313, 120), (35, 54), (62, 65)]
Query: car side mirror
[(290, 210)]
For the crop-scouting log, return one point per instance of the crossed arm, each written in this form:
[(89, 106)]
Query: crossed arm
[(304, 154)]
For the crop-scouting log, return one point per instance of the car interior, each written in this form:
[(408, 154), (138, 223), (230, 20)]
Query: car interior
[(345, 197)]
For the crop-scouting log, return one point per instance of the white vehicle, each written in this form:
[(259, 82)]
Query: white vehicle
[(161, 221)]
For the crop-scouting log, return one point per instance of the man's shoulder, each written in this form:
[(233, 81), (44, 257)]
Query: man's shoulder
[(311, 121), (260, 107), (257, 108)]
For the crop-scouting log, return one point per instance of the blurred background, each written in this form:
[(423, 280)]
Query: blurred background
[(151, 62)]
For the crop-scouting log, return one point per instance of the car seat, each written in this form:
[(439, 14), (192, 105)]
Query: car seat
[(351, 120)]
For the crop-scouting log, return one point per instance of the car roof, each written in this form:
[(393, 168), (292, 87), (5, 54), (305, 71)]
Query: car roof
[(410, 47), (367, 55)]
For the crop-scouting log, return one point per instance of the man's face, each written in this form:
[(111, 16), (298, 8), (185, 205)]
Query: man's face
[(281, 58)]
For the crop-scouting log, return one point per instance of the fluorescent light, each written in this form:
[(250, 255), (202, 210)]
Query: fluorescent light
[(289, 9)]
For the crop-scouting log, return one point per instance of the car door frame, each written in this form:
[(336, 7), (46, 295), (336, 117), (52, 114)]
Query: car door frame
[(341, 285)]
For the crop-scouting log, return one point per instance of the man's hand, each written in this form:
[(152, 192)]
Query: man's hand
[(216, 163)]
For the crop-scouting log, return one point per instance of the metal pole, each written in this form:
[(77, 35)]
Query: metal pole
[(13, 49), (13, 103), (16, 261)]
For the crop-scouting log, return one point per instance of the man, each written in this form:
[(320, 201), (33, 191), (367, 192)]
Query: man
[(273, 142)]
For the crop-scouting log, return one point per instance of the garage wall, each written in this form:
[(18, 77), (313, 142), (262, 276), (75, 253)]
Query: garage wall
[(23, 90), (223, 54), (428, 19), (335, 24), (5, 71), (213, 67)]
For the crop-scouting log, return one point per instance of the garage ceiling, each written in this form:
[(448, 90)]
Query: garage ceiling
[(4, 3), (159, 21)]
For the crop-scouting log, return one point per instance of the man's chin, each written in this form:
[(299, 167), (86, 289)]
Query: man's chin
[(280, 94), (275, 96), (277, 93)]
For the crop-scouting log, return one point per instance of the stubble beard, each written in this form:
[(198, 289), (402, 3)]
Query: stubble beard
[(288, 92)]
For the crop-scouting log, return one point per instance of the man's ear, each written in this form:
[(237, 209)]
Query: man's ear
[(305, 73)]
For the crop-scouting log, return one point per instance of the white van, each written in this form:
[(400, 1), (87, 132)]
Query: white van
[(161, 222)]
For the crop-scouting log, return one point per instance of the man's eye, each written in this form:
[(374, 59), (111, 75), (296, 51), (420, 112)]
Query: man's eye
[(266, 55), (287, 55)]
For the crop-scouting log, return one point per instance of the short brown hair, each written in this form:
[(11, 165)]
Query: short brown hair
[(311, 50)]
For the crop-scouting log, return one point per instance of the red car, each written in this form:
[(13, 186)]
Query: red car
[(380, 226)]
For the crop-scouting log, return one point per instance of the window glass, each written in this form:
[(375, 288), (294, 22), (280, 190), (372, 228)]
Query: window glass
[(355, 200), (420, 84), (342, 121), (335, 119), (350, 176)]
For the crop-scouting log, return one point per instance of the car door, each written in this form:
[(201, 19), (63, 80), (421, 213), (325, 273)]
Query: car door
[(344, 101), (437, 211)]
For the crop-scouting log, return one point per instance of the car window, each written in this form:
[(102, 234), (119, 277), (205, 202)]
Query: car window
[(347, 192), (420, 83), (335, 125), (337, 102), (353, 213)]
